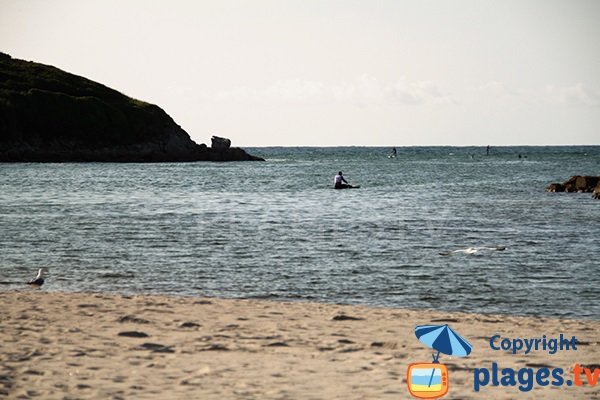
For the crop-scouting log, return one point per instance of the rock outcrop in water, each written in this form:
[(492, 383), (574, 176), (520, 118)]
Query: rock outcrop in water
[(49, 115), (578, 184)]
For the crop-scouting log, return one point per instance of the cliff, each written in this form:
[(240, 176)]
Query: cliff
[(49, 115)]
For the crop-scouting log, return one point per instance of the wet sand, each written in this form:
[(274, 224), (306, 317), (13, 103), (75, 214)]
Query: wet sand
[(100, 346)]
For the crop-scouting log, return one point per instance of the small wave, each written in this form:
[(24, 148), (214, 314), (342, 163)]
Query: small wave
[(117, 275), (261, 296), (278, 160), (473, 250)]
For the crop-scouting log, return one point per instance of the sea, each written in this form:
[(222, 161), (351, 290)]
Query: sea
[(445, 228)]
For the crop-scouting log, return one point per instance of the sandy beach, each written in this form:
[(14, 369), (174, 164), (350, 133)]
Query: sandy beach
[(90, 345)]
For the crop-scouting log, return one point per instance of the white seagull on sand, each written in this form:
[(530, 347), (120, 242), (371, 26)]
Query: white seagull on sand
[(39, 279)]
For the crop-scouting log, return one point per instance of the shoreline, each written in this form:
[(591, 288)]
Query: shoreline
[(17, 287), (97, 345)]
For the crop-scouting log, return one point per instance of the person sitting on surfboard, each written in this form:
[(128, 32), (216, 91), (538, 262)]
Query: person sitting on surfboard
[(340, 182)]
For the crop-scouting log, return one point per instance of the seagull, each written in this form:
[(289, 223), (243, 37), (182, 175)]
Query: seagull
[(39, 279)]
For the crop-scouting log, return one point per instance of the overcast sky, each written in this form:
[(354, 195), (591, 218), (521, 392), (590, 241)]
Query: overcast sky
[(328, 73)]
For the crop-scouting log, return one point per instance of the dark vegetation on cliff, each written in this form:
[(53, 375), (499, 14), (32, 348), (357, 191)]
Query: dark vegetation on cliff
[(47, 114)]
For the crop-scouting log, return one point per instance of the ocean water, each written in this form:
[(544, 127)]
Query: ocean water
[(278, 230)]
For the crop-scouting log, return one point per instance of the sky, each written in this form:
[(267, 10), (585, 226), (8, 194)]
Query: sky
[(334, 72)]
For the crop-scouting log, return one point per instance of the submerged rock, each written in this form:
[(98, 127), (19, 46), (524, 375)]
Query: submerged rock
[(578, 184)]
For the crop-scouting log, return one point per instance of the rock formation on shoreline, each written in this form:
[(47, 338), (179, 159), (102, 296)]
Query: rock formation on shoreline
[(578, 184), (49, 115)]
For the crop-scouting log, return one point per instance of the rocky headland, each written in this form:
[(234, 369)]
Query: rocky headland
[(49, 115)]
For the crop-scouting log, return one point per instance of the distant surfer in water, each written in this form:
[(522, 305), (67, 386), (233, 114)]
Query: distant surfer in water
[(339, 182), (393, 155)]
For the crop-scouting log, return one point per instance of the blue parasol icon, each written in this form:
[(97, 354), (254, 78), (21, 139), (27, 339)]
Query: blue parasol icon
[(443, 339)]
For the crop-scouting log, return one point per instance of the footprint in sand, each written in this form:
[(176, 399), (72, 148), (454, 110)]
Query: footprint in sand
[(344, 317), (190, 324), (133, 334), (156, 348), (277, 344), (135, 320)]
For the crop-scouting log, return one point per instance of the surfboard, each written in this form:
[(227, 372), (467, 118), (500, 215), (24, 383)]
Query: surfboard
[(348, 187)]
